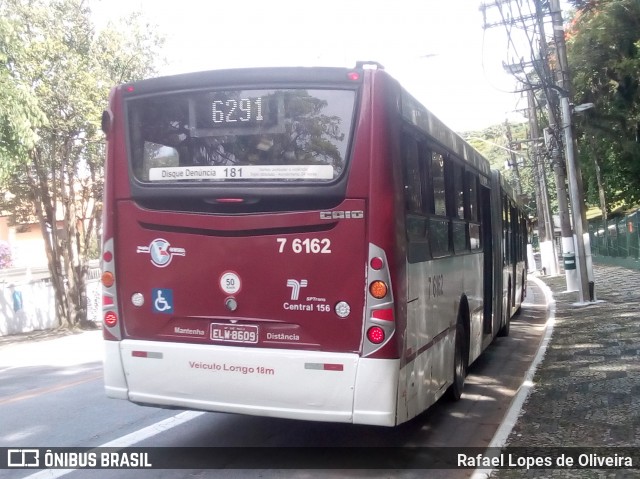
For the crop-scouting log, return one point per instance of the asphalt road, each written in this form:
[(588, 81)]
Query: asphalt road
[(51, 395)]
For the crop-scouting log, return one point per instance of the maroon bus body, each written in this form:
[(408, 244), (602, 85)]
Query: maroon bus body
[(390, 277), (247, 245)]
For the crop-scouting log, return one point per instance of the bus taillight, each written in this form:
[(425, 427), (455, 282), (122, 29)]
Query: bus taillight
[(107, 279), (378, 289), (110, 313), (375, 334), (380, 323), (376, 263), (110, 319)]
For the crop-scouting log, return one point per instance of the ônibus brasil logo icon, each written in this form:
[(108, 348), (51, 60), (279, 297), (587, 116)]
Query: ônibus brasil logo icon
[(161, 252)]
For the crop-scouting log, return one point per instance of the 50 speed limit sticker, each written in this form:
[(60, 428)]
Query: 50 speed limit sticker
[(230, 282)]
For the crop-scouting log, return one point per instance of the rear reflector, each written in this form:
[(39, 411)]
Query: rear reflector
[(324, 366), (146, 354), (383, 314)]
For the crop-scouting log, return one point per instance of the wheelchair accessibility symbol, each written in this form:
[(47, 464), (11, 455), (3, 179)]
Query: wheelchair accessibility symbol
[(163, 301)]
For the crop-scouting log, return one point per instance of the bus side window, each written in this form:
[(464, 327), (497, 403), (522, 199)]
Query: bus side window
[(412, 176), (458, 194), (439, 230), (439, 188), (459, 191), (472, 196), (427, 185), (506, 231), (472, 208), (414, 190)]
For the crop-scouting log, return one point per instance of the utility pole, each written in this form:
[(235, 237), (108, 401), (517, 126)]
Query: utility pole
[(583, 248), (545, 220), (548, 252), (553, 146), (581, 244), (513, 160)]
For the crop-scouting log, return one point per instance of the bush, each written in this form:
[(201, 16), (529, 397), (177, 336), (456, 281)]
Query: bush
[(6, 260)]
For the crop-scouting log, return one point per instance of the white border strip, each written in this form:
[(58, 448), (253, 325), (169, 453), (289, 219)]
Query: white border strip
[(128, 440), (509, 421)]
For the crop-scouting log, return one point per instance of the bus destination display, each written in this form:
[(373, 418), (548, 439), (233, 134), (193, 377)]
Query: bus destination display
[(244, 110)]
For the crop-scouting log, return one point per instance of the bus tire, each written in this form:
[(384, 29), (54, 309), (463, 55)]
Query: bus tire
[(523, 294), (504, 330), (460, 359)]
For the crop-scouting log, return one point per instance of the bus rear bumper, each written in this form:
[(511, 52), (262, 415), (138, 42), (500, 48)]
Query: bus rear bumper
[(307, 385), (115, 384)]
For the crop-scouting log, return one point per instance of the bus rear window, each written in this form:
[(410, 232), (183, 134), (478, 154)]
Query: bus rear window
[(271, 135)]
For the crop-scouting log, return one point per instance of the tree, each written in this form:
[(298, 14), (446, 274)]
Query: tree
[(493, 143), (604, 55), (58, 70)]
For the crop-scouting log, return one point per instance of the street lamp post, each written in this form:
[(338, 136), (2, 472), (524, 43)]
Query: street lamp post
[(576, 201), (583, 248)]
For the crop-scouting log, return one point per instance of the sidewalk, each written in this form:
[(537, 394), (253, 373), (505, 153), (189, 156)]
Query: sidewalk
[(58, 348), (587, 388)]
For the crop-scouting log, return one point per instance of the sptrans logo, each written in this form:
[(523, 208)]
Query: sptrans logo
[(295, 286)]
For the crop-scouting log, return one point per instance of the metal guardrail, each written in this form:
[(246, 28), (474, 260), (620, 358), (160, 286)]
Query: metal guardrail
[(619, 238)]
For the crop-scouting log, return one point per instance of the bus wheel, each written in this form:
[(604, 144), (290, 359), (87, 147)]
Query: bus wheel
[(504, 331), (459, 364), (523, 294)]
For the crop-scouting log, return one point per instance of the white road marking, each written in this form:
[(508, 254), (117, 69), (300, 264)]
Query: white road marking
[(128, 440)]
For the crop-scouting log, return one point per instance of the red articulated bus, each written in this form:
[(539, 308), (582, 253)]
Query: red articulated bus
[(305, 243)]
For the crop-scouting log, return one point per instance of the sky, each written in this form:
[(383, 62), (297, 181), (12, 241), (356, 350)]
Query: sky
[(437, 49)]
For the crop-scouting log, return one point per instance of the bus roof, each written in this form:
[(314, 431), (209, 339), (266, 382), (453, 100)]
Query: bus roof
[(246, 76)]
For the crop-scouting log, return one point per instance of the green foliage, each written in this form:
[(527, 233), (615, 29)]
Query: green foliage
[(493, 144), (55, 75), (604, 55), (20, 115)]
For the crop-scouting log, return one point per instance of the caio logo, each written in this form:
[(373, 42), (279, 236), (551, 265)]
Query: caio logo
[(342, 215)]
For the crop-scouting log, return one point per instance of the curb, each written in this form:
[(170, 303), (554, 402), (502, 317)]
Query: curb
[(511, 417)]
